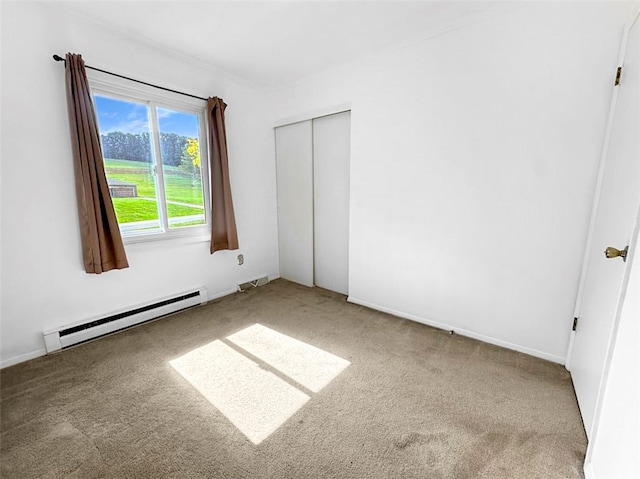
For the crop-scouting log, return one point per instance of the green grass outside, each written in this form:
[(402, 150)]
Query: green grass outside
[(179, 187), (186, 223), (111, 162), (183, 189), (129, 210)]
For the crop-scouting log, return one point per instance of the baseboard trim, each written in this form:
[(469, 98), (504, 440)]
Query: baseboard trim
[(461, 332), (22, 358), (222, 294), (588, 471)]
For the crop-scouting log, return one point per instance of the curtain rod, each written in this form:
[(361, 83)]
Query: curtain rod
[(58, 58)]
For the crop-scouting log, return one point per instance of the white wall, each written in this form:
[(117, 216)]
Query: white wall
[(43, 282), (473, 162)]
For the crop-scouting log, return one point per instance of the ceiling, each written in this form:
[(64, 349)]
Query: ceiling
[(267, 43)]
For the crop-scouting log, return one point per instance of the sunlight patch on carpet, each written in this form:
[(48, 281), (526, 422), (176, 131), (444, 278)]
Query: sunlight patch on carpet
[(255, 400), (307, 365)]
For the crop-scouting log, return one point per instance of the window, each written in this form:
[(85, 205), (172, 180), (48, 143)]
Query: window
[(153, 150)]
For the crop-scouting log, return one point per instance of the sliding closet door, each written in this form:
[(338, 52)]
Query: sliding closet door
[(294, 166), (331, 154)]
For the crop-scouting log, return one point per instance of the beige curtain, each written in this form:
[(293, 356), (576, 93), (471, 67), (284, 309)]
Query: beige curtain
[(223, 222), (102, 248)]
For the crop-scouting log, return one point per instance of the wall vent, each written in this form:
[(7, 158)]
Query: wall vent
[(242, 287), (80, 332)]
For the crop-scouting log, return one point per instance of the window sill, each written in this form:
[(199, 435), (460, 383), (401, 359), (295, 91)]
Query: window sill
[(173, 238)]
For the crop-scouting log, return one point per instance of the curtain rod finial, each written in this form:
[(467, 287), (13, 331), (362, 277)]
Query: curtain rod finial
[(58, 58)]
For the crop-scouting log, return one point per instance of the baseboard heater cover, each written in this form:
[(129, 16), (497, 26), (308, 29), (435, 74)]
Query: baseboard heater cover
[(80, 332)]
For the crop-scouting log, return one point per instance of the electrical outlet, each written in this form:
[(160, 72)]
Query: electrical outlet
[(240, 259)]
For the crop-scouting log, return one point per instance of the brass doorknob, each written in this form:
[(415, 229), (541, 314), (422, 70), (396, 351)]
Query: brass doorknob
[(612, 252)]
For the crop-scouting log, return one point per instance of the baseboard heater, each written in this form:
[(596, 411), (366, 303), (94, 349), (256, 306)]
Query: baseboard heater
[(80, 332)]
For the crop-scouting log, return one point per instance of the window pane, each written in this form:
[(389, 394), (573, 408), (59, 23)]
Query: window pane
[(128, 161), (180, 153)]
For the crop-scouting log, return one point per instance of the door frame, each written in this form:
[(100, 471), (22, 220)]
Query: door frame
[(310, 115)]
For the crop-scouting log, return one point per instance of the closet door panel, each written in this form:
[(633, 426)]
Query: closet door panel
[(331, 154), (294, 166)]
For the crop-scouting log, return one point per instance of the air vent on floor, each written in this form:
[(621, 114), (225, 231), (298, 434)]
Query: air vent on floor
[(242, 287)]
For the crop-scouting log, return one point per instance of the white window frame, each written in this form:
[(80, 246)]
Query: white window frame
[(104, 85)]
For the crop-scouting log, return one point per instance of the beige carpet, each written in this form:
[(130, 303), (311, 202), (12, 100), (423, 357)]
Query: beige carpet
[(399, 400)]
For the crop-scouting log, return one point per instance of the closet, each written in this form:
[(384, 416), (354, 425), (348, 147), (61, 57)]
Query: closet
[(312, 163)]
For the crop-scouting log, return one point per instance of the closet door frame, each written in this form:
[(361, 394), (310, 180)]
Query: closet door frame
[(288, 270)]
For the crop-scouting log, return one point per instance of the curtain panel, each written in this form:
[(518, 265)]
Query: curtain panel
[(223, 223), (102, 247)]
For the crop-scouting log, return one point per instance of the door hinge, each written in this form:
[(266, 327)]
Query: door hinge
[(618, 74), (575, 324)]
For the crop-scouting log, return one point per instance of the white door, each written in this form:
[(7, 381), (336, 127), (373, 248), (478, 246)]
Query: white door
[(294, 176), (331, 154), (605, 279), (615, 440), (312, 163)]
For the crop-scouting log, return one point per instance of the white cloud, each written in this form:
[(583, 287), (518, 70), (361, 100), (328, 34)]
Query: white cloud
[(133, 126), (162, 113)]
